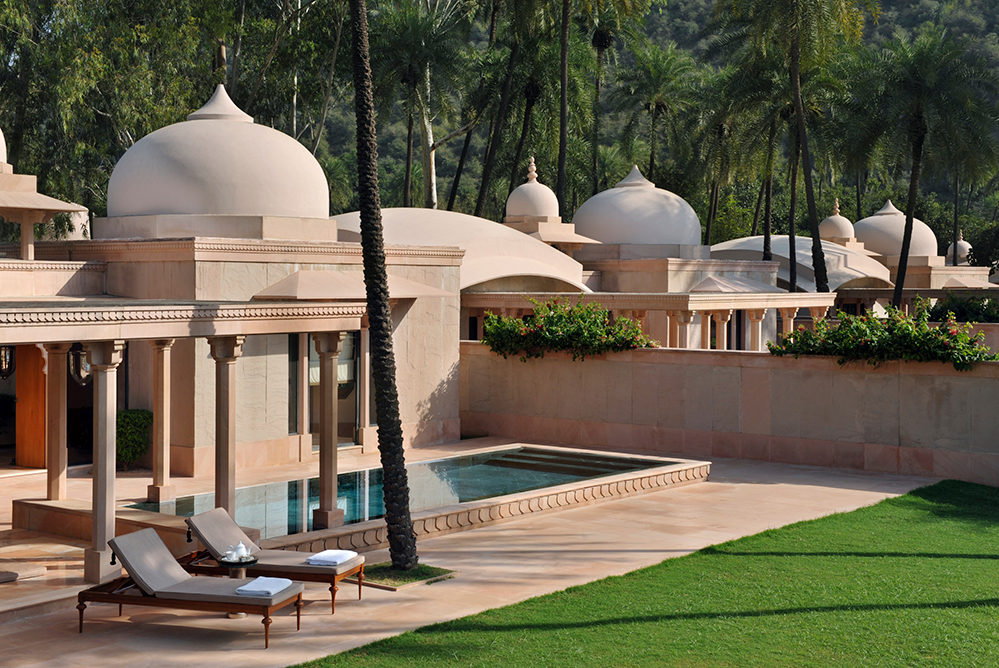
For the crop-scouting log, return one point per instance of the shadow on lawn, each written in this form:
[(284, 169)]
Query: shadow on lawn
[(722, 552), (471, 625)]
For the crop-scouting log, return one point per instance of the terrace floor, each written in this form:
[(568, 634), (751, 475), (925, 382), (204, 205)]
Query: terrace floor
[(499, 565)]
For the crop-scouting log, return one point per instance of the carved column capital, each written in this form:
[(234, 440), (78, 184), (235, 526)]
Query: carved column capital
[(226, 348)]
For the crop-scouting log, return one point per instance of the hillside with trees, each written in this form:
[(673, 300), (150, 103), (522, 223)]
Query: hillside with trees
[(701, 94)]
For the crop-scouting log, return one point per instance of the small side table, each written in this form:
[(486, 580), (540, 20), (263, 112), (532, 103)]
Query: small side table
[(237, 571)]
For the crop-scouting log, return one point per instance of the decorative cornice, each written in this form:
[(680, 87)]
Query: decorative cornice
[(35, 313), (154, 249), (41, 265)]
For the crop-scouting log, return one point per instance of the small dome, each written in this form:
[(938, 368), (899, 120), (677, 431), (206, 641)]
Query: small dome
[(218, 162), (836, 226), (963, 249), (636, 212), (532, 198), (882, 233)]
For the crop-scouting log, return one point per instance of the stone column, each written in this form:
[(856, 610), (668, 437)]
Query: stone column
[(364, 381), (817, 312), (683, 320), (304, 428), (225, 351), (721, 328), (673, 329), (756, 328), (27, 241), (161, 489), (787, 316), (104, 358), (705, 330), (56, 455), (329, 346)]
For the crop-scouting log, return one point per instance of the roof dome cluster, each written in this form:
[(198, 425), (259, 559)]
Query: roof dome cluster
[(218, 162), (636, 212)]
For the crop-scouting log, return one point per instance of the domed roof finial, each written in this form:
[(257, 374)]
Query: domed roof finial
[(220, 108), (532, 171), (960, 235), (3, 148), (635, 180), (836, 207)]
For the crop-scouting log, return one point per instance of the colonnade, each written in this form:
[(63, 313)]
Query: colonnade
[(104, 358), (680, 322)]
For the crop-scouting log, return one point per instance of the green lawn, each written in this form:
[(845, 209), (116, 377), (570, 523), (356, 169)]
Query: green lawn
[(911, 581)]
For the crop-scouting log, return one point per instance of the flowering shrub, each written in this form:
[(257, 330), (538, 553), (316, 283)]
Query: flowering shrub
[(897, 337), (583, 329)]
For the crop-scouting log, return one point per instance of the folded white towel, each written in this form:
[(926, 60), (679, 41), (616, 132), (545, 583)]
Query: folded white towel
[(264, 587), (330, 557)]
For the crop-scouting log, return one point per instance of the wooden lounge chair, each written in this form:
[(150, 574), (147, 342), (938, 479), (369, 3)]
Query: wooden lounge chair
[(156, 579), (217, 531)]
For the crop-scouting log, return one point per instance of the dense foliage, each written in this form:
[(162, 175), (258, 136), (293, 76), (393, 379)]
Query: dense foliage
[(581, 329), (897, 337), (133, 435), (965, 309), (665, 85)]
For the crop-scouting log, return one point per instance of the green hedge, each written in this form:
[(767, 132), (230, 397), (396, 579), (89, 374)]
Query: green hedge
[(133, 435), (582, 330), (897, 337)]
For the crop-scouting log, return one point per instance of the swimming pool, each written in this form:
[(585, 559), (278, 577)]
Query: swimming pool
[(284, 508)]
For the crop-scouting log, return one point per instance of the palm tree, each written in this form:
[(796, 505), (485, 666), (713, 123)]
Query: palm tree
[(527, 21), (422, 50), (803, 32), (758, 88), (661, 84), (606, 21), (925, 94), (402, 540)]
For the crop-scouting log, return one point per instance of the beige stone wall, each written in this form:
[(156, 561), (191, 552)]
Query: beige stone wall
[(910, 418)]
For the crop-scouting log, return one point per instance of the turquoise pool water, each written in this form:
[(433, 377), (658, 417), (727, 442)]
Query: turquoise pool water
[(284, 508)]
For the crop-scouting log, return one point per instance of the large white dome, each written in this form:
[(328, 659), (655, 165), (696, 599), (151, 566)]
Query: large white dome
[(636, 212), (882, 233), (218, 162)]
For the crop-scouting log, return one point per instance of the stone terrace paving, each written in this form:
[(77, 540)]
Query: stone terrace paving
[(499, 565)]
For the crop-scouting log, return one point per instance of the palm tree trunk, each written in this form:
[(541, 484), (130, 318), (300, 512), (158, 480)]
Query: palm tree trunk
[(395, 485), (759, 206), (859, 207), (407, 183), (494, 143), (428, 155), (818, 257), (957, 201), (712, 211), (457, 174), (792, 254), (524, 130), (328, 89), (768, 204), (653, 133), (563, 118), (233, 75), (596, 122), (910, 209)]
